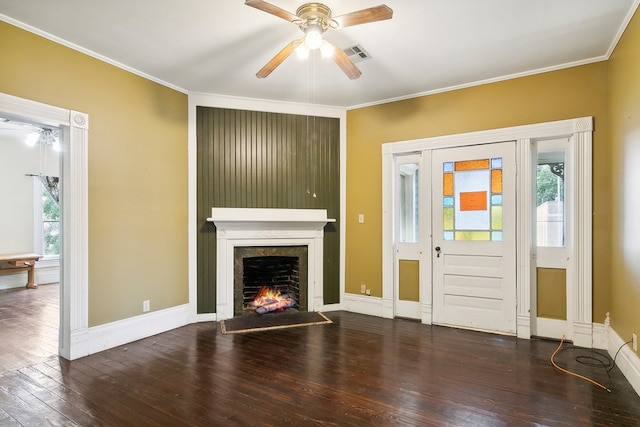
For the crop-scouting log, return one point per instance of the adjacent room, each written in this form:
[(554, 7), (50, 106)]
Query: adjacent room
[(277, 212)]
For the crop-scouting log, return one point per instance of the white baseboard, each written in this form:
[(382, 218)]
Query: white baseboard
[(362, 304), (523, 326), (15, 280), (331, 307), (206, 317), (583, 334), (47, 275), (551, 328), (98, 338), (43, 275), (600, 336), (627, 361)]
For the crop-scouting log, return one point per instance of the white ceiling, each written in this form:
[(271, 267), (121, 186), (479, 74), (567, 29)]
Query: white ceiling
[(217, 46)]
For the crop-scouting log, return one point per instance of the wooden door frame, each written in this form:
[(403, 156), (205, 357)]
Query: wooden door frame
[(580, 130)]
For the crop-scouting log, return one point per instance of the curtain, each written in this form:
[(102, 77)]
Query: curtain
[(50, 183)]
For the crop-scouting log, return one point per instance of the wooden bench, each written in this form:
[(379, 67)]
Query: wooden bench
[(20, 262)]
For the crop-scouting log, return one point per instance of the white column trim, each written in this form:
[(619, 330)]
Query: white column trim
[(524, 244), (582, 236), (387, 234)]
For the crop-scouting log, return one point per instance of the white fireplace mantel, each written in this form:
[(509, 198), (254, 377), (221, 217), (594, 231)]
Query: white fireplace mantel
[(247, 220), (245, 227)]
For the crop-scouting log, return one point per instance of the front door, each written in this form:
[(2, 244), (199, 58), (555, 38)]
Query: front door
[(474, 242)]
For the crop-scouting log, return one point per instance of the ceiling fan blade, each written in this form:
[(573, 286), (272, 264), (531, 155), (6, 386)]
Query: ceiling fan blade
[(372, 14), (272, 9), (344, 62), (277, 59)]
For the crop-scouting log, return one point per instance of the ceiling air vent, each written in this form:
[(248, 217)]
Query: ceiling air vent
[(357, 53)]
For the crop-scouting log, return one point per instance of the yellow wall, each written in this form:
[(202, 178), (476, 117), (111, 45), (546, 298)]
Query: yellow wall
[(575, 92), (137, 160), (624, 81)]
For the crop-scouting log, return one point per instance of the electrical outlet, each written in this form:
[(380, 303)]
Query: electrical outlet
[(367, 292), (145, 306), (363, 288), (634, 339)]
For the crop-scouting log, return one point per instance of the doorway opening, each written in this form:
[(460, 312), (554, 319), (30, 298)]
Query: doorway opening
[(73, 137), (578, 133), (30, 226)]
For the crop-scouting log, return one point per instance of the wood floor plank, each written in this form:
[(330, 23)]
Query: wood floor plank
[(22, 407), (52, 380), (360, 370), (57, 397), (7, 420), (28, 325), (31, 403), (162, 396)]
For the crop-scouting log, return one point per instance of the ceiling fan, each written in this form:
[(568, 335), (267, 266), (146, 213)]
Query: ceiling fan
[(314, 19)]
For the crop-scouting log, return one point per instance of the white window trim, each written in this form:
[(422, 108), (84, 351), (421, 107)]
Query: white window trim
[(46, 260)]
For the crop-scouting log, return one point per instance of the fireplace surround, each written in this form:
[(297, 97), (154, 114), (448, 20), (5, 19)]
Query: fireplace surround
[(266, 227)]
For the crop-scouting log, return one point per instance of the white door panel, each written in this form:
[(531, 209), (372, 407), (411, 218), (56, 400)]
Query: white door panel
[(482, 287), (476, 265), (473, 205)]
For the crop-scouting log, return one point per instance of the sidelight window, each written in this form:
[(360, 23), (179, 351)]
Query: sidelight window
[(409, 203), (550, 199)]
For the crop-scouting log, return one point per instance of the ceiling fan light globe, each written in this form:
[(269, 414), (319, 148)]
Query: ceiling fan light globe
[(326, 49), (313, 39), (302, 51)]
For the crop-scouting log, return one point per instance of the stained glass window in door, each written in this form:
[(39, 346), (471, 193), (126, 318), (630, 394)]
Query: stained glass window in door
[(472, 200)]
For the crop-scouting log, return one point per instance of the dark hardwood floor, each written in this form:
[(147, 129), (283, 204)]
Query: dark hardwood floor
[(28, 326), (358, 371)]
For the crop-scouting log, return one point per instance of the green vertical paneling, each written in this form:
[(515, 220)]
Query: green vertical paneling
[(251, 159)]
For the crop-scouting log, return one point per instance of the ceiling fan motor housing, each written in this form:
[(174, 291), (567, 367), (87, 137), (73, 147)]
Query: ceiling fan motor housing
[(316, 14)]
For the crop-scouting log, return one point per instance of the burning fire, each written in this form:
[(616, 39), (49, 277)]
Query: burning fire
[(267, 295), (269, 299)]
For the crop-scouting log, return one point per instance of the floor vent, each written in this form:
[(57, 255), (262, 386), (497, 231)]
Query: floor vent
[(357, 53)]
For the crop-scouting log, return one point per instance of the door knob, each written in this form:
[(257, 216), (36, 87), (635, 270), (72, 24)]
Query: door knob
[(438, 251)]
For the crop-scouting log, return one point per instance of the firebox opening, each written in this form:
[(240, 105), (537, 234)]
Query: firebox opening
[(277, 276)]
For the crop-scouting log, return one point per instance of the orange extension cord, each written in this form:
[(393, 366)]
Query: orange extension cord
[(553, 362)]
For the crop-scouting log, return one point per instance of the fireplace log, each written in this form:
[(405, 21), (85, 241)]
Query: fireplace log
[(280, 305)]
